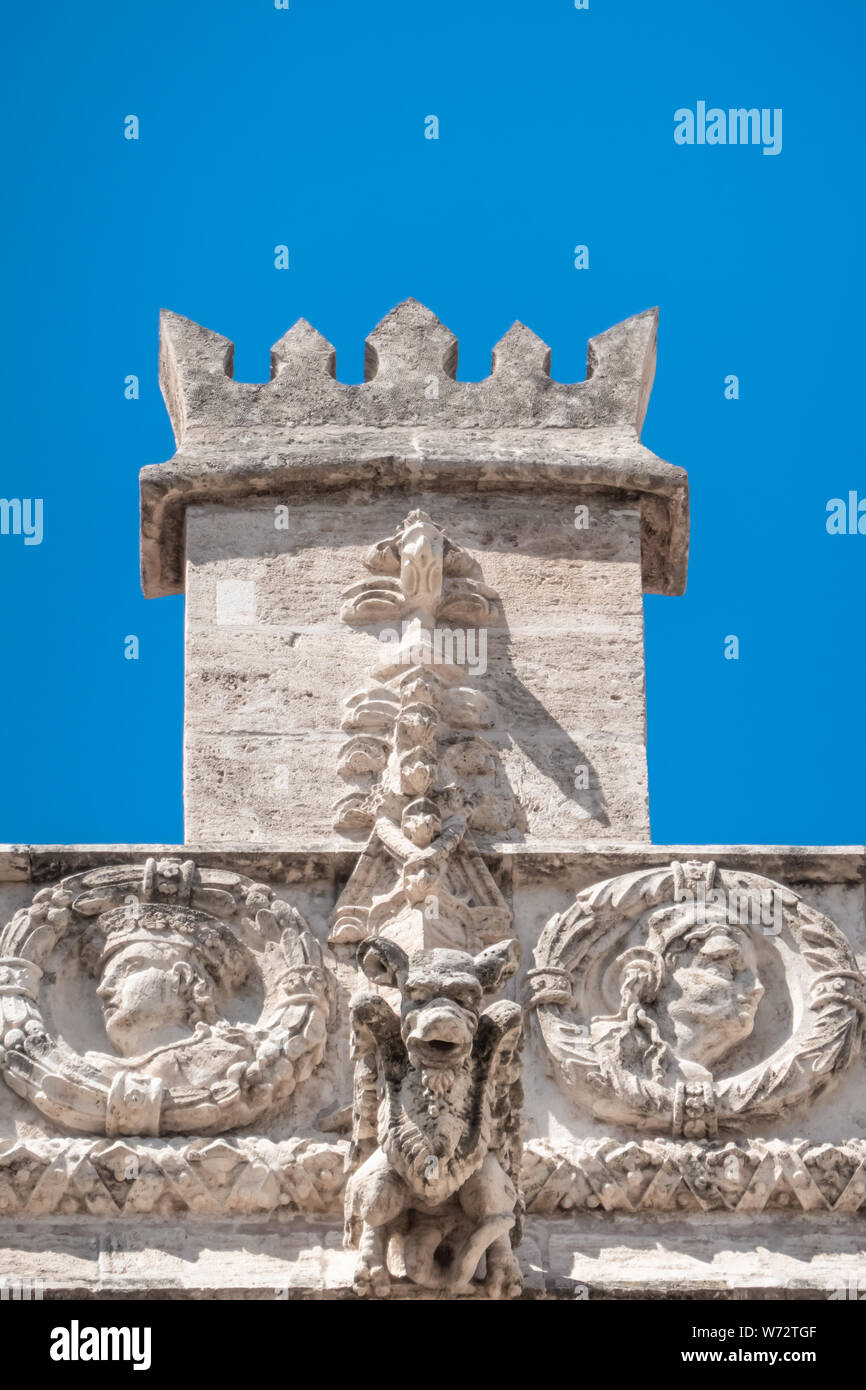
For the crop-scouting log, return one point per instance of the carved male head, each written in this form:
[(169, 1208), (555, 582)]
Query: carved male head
[(441, 993), (159, 970), (698, 975)]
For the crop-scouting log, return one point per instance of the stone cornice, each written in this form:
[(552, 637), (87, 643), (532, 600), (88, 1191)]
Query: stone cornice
[(816, 863)]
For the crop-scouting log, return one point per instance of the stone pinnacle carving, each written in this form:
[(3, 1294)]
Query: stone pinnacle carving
[(416, 750)]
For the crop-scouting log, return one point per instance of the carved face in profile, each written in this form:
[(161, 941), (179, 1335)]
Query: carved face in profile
[(709, 992), (160, 968), (687, 997), (151, 993)]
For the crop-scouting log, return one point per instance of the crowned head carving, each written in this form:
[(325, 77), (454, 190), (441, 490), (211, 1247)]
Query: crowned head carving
[(213, 994), (160, 968)]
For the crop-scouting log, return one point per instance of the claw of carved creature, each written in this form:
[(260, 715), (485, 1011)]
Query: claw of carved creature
[(371, 1279), (504, 1279)]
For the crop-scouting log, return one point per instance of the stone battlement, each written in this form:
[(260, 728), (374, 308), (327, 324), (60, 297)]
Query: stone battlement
[(410, 373), (411, 423)]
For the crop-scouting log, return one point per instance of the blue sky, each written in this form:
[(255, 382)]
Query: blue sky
[(306, 127)]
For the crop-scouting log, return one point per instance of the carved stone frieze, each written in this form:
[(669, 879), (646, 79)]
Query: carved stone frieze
[(136, 1177), (132, 1177), (665, 1175), (198, 1000), (689, 998)]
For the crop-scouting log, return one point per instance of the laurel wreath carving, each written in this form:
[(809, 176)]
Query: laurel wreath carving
[(281, 1050), (823, 1044)]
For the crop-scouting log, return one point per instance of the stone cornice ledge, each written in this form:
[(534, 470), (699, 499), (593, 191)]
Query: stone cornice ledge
[(818, 863)]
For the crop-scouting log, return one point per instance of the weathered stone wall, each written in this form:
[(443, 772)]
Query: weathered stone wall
[(269, 662)]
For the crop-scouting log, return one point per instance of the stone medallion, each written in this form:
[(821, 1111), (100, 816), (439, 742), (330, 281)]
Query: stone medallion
[(690, 997), (159, 999)]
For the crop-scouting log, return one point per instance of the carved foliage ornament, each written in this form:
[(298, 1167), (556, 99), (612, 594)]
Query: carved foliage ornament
[(416, 726), (688, 998), (668, 1175), (426, 776), (172, 950)]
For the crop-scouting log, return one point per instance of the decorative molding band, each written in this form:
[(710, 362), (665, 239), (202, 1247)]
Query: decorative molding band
[(663, 1175), (249, 1177), (136, 1177)]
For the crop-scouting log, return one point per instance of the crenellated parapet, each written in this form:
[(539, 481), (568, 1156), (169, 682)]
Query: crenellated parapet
[(409, 422), (410, 371)]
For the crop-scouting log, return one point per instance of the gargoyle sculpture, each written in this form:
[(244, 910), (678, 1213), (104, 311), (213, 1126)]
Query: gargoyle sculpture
[(435, 1155)]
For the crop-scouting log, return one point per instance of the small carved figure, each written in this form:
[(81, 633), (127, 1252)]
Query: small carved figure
[(435, 1155), (421, 846)]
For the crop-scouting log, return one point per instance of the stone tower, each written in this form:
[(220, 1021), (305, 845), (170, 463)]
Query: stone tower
[(268, 510)]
